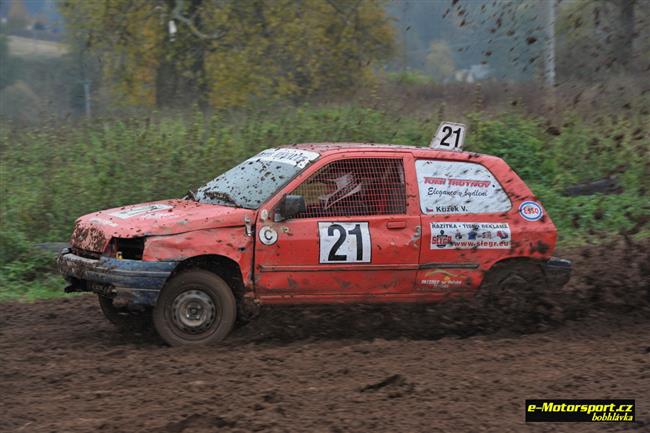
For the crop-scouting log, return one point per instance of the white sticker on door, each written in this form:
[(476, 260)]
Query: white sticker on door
[(344, 242), (454, 187), (470, 235)]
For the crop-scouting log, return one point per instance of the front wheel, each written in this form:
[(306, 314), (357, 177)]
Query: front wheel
[(123, 318), (195, 307)]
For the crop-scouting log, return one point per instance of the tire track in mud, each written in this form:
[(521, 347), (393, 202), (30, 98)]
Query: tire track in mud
[(418, 368)]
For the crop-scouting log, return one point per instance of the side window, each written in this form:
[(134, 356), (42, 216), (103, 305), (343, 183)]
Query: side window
[(355, 187), (450, 187)]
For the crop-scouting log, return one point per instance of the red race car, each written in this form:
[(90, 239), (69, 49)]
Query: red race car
[(317, 223)]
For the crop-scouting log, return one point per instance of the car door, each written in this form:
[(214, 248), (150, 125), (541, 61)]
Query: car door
[(464, 224), (357, 235)]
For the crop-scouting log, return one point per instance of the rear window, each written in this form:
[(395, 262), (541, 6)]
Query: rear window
[(453, 187)]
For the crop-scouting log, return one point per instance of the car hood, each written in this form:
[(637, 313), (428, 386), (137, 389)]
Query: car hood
[(92, 232)]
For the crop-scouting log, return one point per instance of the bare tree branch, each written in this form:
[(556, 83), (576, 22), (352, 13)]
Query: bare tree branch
[(177, 14)]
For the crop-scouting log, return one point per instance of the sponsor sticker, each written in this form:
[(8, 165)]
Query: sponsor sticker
[(442, 279), (129, 213), (453, 187), (297, 157), (102, 221), (470, 235), (531, 211)]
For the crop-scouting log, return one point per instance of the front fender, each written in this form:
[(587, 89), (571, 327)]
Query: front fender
[(230, 242)]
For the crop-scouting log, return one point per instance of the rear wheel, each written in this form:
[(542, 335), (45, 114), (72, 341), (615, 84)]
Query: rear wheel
[(514, 294), (195, 307), (123, 318)]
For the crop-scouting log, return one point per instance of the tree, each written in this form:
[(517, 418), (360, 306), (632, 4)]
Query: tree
[(597, 38), (500, 34), (6, 66), (228, 52), (440, 62), (625, 32)]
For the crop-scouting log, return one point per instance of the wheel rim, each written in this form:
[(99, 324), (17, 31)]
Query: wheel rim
[(511, 292), (193, 312)]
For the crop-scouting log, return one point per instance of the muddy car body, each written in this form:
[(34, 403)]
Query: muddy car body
[(316, 223)]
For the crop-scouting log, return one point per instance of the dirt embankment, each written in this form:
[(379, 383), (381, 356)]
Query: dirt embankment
[(375, 369)]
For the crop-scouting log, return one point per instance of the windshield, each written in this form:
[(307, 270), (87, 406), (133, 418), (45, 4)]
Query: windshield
[(252, 182)]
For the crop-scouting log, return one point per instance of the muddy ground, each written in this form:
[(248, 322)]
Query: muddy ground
[(354, 369)]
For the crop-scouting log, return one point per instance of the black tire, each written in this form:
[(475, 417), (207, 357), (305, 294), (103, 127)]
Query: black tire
[(124, 318), (513, 294), (195, 307)]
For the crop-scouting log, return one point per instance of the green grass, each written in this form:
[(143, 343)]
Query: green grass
[(30, 275), (406, 78), (53, 174), (48, 287)]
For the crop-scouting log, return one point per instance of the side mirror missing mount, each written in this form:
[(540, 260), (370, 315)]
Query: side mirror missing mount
[(289, 206)]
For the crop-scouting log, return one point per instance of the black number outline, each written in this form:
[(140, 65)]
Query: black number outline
[(332, 256), (448, 129), (357, 232), (443, 141)]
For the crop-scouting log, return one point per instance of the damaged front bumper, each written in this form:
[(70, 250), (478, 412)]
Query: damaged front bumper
[(557, 271), (127, 281)]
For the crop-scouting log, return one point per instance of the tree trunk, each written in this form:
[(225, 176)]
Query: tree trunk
[(625, 51)]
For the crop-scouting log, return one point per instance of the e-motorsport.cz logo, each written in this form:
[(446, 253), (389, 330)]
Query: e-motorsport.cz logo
[(580, 410)]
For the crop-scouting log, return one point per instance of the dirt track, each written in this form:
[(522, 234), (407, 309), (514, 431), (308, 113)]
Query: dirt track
[(65, 369)]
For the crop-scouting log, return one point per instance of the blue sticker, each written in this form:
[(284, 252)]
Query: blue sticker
[(531, 211)]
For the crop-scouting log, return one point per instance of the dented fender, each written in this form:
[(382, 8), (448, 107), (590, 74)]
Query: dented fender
[(230, 242)]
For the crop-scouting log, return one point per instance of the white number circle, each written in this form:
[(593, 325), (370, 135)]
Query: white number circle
[(268, 236)]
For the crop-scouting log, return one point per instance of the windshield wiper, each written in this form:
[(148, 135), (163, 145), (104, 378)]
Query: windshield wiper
[(223, 196), (190, 195)]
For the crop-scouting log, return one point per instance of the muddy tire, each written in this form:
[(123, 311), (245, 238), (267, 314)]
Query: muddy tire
[(123, 318), (514, 294), (195, 307)]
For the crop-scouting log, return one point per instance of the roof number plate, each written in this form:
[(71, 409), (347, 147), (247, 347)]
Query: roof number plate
[(450, 136)]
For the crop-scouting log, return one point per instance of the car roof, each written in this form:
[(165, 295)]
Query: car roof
[(423, 152), (323, 148)]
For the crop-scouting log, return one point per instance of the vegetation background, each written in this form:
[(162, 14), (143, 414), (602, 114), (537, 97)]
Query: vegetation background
[(143, 100)]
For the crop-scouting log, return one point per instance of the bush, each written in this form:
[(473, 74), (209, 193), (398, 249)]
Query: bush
[(26, 272)]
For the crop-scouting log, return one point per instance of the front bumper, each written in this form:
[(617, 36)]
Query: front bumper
[(557, 271), (133, 281)]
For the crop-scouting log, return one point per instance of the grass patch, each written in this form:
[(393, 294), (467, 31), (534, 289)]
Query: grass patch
[(49, 286)]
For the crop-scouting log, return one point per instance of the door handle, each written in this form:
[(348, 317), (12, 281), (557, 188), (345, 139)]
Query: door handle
[(396, 224)]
